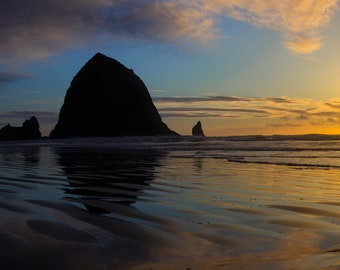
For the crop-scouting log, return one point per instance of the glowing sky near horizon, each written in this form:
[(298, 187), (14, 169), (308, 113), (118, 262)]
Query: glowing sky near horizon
[(240, 66)]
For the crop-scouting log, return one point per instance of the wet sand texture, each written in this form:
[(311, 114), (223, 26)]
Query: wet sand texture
[(64, 208)]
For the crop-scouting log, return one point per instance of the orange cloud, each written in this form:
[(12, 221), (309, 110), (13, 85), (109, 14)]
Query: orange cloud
[(299, 22), (303, 45)]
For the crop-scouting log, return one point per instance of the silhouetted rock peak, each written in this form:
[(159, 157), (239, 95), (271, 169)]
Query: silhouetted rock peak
[(29, 130), (197, 130), (107, 99)]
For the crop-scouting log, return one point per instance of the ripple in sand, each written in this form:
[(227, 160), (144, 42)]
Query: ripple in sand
[(15, 208), (59, 231), (307, 210)]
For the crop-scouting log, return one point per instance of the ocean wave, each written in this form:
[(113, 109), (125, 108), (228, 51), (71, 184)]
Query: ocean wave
[(299, 150)]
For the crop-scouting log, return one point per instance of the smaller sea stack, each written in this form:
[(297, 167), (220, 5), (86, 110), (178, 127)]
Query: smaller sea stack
[(197, 130)]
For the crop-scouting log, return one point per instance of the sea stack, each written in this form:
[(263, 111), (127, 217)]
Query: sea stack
[(107, 99), (28, 131), (197, 130)]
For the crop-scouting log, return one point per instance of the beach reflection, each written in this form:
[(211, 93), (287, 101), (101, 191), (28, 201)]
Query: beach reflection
[(100, 177), (27, 157), (107, 208)]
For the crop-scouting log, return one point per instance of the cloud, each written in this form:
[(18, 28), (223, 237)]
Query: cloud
[(196, 115), (304, 45), (159, 91), (210, 112), (334, 104), (277, 112), (219, 98), (27, 114), (300, 22), (197, 99), (163, 21), (46, 102), (216, 109), (38, 29), (281, 125), (302, 117), (9, 77)]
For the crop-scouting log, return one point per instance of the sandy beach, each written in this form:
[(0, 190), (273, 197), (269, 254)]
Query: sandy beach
[(93, 208)]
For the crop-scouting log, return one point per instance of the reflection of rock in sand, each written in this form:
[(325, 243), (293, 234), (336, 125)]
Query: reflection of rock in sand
[(100, 177), (27, 157)]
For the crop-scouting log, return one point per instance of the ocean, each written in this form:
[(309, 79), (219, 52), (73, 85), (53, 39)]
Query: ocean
[(240, 202)]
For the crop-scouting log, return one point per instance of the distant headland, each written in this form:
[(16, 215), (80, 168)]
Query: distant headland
[(28, 131)]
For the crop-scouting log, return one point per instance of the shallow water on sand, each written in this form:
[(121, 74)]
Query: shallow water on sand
[(144, 208)]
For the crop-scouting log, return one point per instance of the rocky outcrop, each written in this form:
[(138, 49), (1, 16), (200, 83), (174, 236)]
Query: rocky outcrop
[(29, 130), (197, 130), (107, 99)]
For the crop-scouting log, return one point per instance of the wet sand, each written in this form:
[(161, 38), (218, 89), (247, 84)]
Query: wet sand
[(64, 208)]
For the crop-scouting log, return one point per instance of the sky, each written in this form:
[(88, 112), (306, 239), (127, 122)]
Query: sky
[(241, 67)]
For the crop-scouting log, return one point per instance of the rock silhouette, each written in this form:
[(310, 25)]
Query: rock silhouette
[(107, 99), (197, 130), (29, 130)]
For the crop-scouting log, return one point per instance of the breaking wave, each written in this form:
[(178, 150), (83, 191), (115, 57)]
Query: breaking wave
[(300, 150)]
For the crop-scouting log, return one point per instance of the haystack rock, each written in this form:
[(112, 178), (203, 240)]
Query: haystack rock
[(29, 130), (107, 99), (197, 130)]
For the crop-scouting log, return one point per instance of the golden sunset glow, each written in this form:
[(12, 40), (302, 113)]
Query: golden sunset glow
[(257, 115)]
